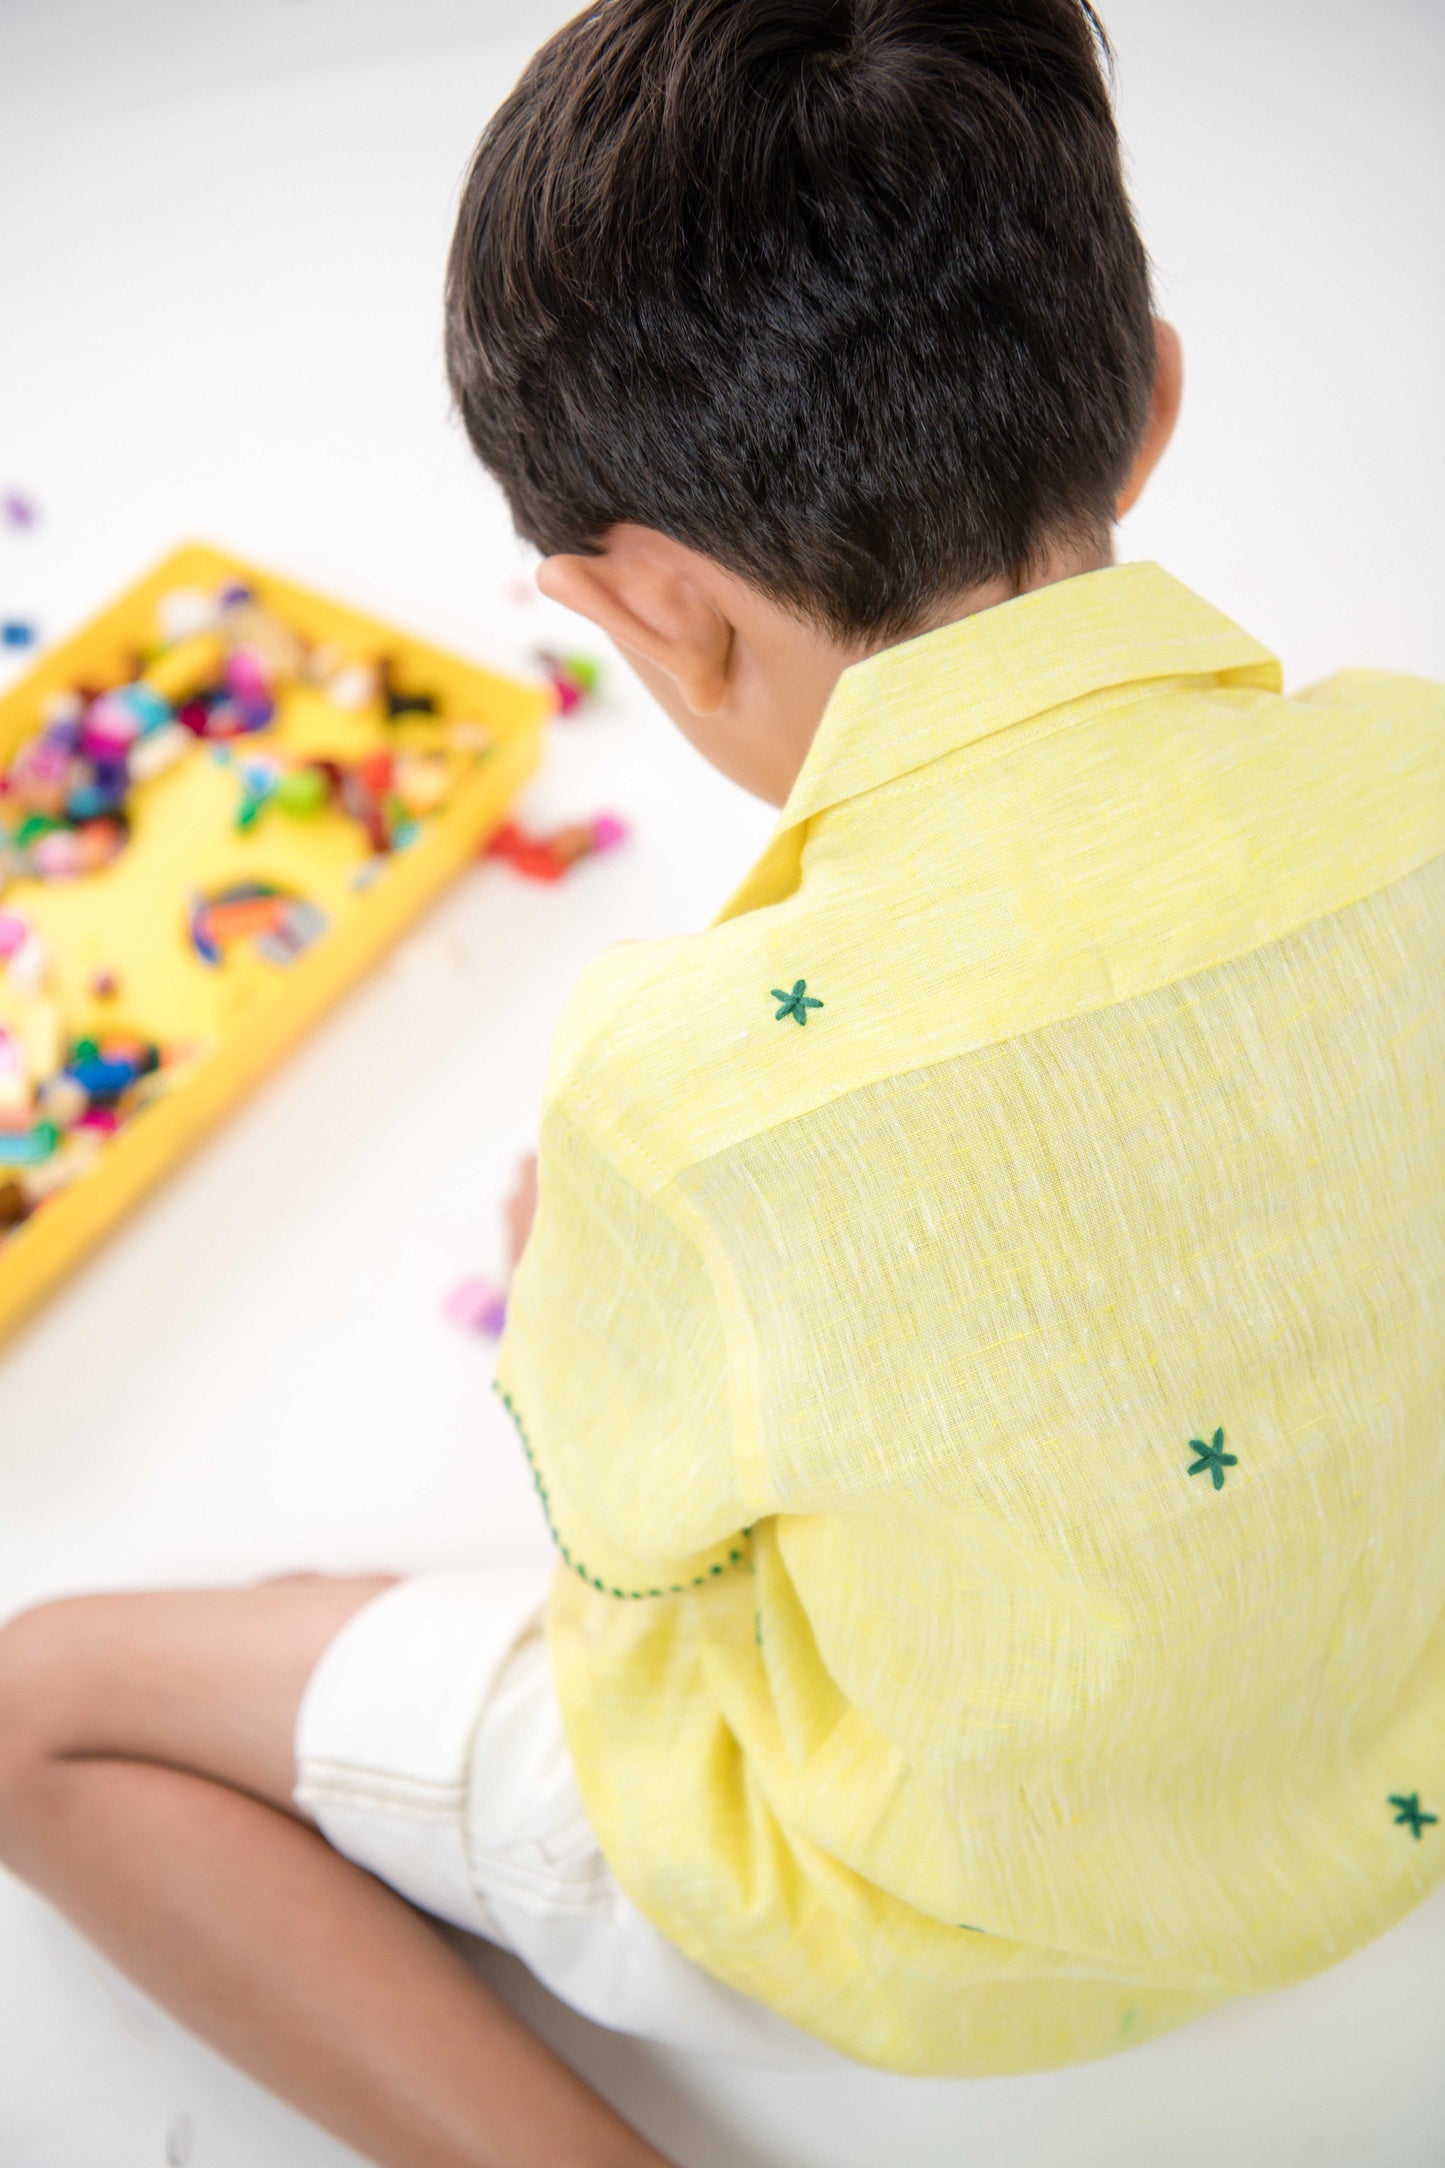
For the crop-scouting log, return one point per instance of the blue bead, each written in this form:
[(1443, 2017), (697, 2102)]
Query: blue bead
[(91, 802), (103, 1079), (150, 708)]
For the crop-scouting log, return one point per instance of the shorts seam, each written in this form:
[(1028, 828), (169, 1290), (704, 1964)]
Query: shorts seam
[(351, 1785)]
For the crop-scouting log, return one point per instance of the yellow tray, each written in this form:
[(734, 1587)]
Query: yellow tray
[(131, 917)]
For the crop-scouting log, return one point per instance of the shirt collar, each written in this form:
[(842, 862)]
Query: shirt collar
[(912, 704), (971, 679)]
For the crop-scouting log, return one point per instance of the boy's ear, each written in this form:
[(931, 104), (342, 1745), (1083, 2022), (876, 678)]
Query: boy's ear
[(653, 598), (1163, 413)]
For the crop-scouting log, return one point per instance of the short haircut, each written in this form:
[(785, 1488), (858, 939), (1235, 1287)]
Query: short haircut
[(846, 294)]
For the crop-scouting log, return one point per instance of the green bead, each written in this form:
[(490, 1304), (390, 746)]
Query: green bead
[(583, 671), (302, 793)]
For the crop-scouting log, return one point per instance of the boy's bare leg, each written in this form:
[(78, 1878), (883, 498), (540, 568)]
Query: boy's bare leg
[(145, 1788)]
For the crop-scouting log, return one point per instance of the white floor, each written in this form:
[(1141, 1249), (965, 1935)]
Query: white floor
[(218, 315)]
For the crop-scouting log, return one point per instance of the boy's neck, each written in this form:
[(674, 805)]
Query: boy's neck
[(805, 664), (1058, 564)]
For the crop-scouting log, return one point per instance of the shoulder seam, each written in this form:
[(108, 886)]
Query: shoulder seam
[(660, 1179)]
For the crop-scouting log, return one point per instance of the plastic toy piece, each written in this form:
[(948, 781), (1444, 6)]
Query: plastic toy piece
[(198, 928), (190, 667), (157, 752), (303, 792), (282, 926), (63, 1099), (300, 925), (235, 913), (260, 780), (399, 703), (27, 1147), (56, 855), (353, 686), (18, 632), (246, 910), (14, 1081), (100, 1079), (548, 857), (574, 679), (29, 964), (477, 1307), (421, 782), (184, 612)]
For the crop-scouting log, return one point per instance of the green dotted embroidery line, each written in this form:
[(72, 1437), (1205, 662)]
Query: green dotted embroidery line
[(595, 1580), (1411, 1814)]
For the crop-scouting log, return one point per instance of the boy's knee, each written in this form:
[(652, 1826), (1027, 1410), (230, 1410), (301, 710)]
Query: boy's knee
[(47, 1657)]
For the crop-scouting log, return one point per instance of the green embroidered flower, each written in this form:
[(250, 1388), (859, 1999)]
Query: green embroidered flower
[(797, 1003), (1412, 1815), (1213, 1457)]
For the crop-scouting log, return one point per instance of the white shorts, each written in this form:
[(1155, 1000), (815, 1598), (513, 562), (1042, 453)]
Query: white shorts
[(430, 1749)]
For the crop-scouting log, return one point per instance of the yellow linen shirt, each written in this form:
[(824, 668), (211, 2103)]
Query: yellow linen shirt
[(994, 1419)]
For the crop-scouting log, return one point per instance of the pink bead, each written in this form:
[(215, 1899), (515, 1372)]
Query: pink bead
[(247, 677), (608, 830), (224, 719), (44, 761), (478, 1307), (110, 725), (57, 856)]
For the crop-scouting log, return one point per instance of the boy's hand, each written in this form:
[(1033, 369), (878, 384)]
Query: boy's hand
[(522, 1208)]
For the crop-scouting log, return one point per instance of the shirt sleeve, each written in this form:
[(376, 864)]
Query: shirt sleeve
[(615, 1369)]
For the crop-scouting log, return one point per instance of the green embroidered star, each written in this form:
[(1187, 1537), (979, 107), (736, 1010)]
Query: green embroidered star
[(1213, 1457), (797, 1003), (1412, 1815)]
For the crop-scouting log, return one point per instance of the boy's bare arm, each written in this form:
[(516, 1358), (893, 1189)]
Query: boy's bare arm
[(521, 1209)]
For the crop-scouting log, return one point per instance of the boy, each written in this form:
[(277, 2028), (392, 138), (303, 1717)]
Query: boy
[(979, 1344)]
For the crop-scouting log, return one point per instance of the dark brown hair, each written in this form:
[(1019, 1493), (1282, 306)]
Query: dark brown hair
[(845, 293)]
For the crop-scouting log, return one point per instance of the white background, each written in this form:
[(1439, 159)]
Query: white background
[(223, 235)]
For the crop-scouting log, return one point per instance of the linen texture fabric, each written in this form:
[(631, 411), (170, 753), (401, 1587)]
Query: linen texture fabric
[(994, 1420)]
